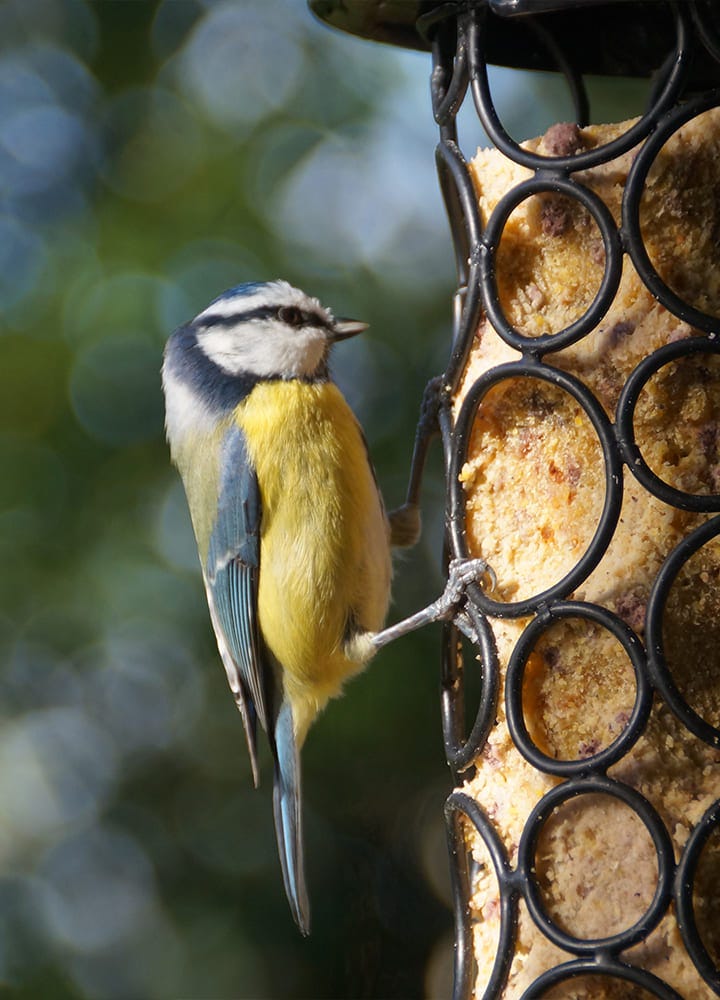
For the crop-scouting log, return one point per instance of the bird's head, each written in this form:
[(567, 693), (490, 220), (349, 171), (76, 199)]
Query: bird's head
[(269, 330)]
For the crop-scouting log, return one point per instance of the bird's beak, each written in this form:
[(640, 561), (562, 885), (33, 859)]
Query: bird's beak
[(345, 328)]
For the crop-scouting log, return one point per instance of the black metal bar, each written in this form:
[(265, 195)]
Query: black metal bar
[(632, 233), (661, 672), (684, 887)]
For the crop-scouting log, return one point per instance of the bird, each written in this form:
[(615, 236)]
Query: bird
[(292, 533)]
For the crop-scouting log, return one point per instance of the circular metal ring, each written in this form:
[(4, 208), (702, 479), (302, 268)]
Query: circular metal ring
[(462, 209), (566, 66), (596, 784), (456, 804), (685, 878), (613, 483), (678, 72), (635, 726), (709, 33), (632, 232), (460, 749), (605, 967), (661, 674), (625, 429), (492, 237), (467, 311)]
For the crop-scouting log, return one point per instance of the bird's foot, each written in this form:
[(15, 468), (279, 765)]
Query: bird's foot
[(461, 573)]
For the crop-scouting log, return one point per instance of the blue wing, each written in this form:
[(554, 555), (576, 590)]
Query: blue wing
[(287, 808), (231, 575)]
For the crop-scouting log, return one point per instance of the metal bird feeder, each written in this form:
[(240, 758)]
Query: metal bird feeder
[(679, 45)]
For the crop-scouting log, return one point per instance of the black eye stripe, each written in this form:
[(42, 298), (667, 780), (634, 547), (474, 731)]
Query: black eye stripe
[(292, 315), (262, 312)]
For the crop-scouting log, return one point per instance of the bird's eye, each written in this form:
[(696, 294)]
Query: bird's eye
[(291, 315)]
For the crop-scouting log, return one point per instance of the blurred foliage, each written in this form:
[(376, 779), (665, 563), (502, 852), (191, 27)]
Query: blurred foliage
[(151, 155)]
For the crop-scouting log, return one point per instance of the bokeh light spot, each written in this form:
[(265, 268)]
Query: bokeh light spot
[(115, 390), (56, 768), (46, 142), (22, 261), (175, 539), (128, 300), (32, 389), (102, 889), (153, 143), (226, 67), (38, 484)]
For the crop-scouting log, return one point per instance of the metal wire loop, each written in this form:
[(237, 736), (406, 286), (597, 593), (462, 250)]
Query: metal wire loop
[(661, 672), (679, 68), (556, 184), (632, 203), (461, 748), (558, 796), (448, 83), (459, 34), (684, 886), (460, 200), (633, 728), (457, 805), (612, 969), (613, 482), (625, 426)]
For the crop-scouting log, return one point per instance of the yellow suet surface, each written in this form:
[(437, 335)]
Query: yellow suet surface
[(534, 486)]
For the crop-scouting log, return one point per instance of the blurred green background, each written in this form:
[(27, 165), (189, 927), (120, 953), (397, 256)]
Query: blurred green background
[(151, 155)]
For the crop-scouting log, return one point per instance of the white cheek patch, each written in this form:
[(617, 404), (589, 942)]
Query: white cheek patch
[(184, 411), (264, 348)]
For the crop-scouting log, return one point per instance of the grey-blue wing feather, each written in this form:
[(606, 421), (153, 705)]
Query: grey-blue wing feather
[(232, 573)]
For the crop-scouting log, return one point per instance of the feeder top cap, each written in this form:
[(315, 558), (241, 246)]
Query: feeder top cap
[(605, 37)]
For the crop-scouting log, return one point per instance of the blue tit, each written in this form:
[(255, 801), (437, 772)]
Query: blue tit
[(293, 537)]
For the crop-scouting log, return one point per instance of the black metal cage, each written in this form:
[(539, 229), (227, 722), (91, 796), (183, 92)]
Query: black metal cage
[(679, 45)]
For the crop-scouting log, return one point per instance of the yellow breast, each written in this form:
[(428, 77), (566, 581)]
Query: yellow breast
[(325, 557)]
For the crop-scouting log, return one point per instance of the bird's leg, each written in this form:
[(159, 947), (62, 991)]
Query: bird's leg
[(461, 572), (405, 521), (405, 531)]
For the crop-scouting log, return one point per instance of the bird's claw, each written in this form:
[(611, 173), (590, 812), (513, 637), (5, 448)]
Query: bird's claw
[(464, 623), (461, 573)]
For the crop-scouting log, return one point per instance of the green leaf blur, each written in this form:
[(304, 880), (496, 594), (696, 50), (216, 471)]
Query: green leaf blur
[(151, 155)]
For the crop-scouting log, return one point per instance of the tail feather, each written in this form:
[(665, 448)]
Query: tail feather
[(249, 721), (287, 805)]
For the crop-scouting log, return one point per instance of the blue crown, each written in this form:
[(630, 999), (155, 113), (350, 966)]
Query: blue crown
[(238, 291)]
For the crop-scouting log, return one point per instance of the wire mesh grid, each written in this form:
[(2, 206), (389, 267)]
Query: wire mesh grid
[(458, 35)]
